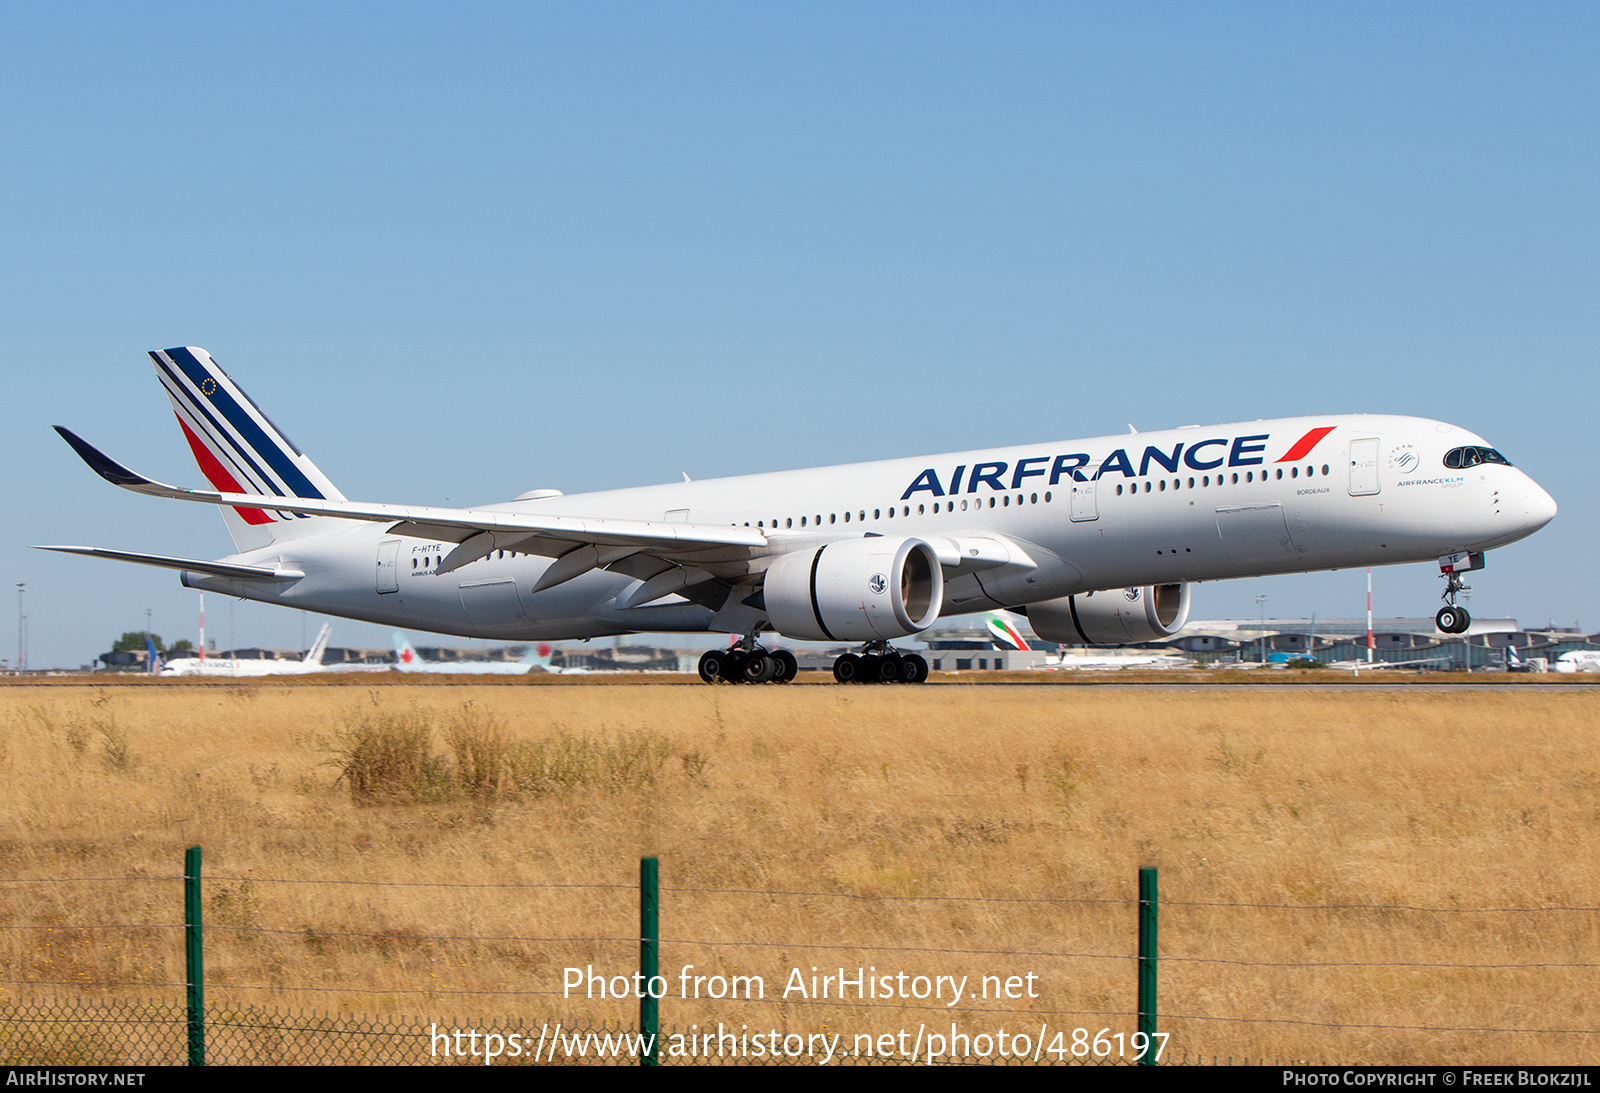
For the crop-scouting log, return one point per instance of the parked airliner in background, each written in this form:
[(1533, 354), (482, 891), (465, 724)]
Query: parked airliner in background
[(406, 659), (1579, 660), (1097, 541), (215, 666)]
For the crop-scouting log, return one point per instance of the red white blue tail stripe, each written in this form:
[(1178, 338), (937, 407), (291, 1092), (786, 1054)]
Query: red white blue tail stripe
[(238, 447)]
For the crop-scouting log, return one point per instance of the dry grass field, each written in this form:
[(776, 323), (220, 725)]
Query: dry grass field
[(1350, 876)]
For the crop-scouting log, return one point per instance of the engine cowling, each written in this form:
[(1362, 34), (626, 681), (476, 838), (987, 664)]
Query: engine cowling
[(1117, 616), (870, 589)]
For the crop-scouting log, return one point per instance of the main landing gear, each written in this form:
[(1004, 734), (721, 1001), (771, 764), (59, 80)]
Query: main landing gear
[(878, 662), (1453, 619), (753, 665)]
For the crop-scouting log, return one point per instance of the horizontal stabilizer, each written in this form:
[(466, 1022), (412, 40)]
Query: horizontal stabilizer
[(232, 570)]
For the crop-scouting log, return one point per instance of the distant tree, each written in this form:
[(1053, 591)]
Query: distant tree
[(182, 645), (133, 642)]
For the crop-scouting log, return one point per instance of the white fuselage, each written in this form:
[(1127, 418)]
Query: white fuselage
[(228, 667), (1581, 660), (1183, 505)]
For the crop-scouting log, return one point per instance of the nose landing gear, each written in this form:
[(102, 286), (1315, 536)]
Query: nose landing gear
[(1453, 619)]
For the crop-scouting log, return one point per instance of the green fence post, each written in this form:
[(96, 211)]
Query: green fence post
[(1148, 904), (649, 958), (193, 956)]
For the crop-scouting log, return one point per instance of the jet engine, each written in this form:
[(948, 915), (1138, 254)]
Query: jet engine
[(870, 589), (1116, 616)]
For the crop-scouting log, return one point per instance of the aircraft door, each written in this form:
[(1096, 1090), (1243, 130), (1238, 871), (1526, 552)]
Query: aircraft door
[(1085, 503), (1364, 467), (389, 566)]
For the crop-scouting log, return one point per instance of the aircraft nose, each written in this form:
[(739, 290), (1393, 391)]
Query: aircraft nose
[(1540, 506)]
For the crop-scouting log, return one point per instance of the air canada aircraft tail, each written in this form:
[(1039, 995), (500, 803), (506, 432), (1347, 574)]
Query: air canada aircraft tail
[(240, 450)]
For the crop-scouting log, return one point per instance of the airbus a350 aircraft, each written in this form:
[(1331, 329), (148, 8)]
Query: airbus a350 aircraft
[(1096, 541)]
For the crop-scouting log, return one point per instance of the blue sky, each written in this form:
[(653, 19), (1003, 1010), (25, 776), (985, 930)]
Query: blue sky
[(462, 252)]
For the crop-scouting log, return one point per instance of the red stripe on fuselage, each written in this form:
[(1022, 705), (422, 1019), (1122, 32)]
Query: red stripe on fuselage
[(1304, 445), (219, 477)]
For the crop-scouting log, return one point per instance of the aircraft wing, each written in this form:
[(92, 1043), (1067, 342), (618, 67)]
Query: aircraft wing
[(550, 535)]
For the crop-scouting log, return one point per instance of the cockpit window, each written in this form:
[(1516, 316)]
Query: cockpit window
[(1458, 458)]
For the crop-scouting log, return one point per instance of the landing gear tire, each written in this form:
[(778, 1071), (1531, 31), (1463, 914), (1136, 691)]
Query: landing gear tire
[(788, 666), (713, 666), (1452, 620), (880, 668), (760, 668)]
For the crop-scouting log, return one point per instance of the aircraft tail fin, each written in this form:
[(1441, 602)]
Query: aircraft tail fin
[(313, 657), (239, 449), (405, 657), (1002, 626), (152, 658), (537, 656)]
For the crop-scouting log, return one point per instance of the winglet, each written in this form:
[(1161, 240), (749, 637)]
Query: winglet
[(101, 463), (118, 475)]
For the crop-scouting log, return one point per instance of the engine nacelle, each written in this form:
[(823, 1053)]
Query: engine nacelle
[(1117, 616), (869, 589)]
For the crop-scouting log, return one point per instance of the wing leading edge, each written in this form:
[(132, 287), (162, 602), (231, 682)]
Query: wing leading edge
[(477, 531)]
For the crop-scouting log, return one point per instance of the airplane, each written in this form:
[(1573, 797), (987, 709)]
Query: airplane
[(1096, 541), (1072, 662), (406, 659), (212, 666), (1579, 660), (1003, 632)]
